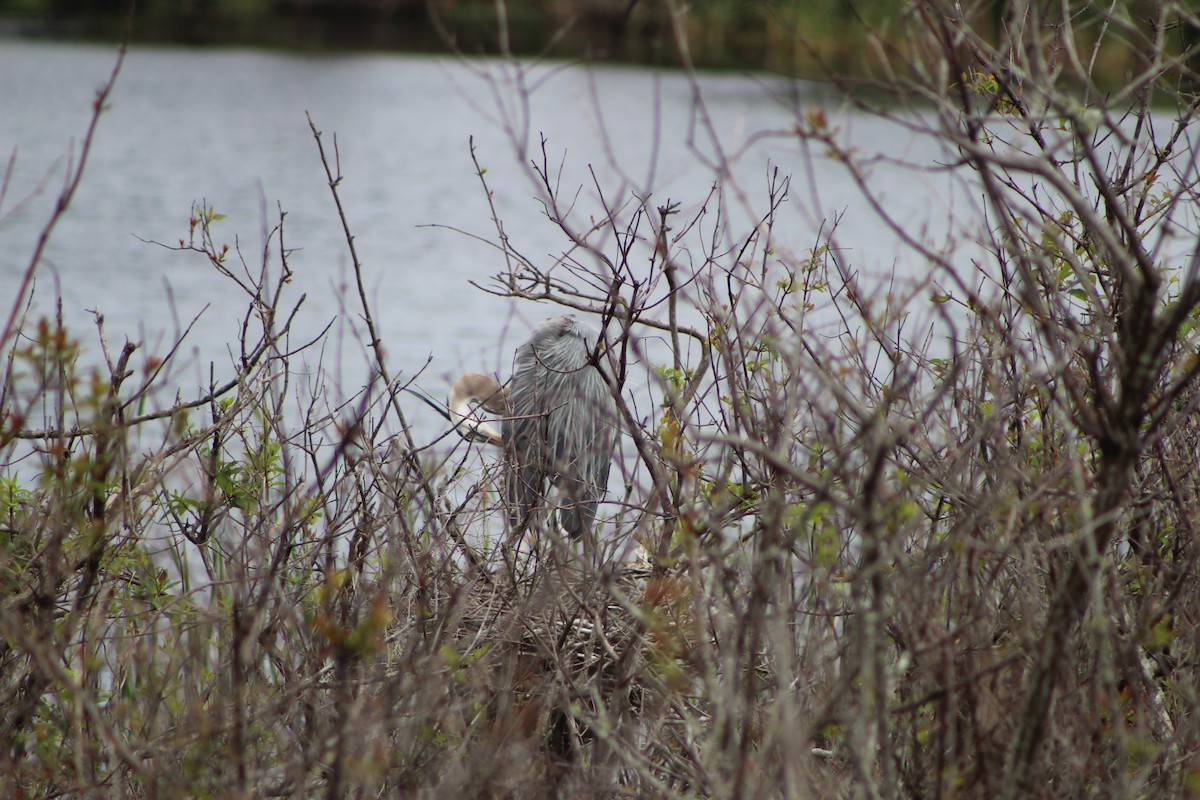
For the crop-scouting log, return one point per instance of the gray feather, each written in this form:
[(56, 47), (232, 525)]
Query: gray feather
[(562, 428)]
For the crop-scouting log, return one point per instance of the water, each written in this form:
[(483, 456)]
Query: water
[(228, 128)]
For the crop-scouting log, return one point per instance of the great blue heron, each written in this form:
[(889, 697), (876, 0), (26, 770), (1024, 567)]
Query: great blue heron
[(558, 424)]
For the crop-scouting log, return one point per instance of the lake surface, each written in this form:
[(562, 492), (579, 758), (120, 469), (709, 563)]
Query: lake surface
[(228, 128)]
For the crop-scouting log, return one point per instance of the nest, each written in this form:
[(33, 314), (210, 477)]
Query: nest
[(566, 654)]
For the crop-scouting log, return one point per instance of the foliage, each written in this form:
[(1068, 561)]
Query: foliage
[(809, 37)]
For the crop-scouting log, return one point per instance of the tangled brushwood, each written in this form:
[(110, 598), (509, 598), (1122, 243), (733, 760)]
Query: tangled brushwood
[(933, 535)]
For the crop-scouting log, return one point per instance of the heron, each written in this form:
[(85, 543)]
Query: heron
[(557, 424)]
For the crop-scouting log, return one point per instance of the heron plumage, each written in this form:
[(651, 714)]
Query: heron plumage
[(561, 428)]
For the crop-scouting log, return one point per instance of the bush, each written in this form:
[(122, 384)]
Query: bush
[(930, 537)]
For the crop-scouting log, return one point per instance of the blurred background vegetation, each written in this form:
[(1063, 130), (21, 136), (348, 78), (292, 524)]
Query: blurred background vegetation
[(788, 36)]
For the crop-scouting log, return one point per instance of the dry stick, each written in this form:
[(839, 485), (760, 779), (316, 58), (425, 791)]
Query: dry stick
[(55, 671), (1119, 441), (1117, 435), (5, 182), (376, 342), (64, 199), (1063, 617), (214, 392), (380, 360), (505, 245), (12, 418), (1070, 600), (606, 308)]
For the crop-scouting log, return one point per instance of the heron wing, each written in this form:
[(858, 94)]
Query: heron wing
[(562, 426)]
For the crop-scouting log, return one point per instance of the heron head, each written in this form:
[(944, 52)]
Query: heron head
[(470, 393), (565, 326)]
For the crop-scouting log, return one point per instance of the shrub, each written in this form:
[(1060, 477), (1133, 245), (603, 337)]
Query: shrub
[(927, 537)]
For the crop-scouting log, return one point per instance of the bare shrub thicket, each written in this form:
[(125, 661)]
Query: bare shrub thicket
[(930, 537)]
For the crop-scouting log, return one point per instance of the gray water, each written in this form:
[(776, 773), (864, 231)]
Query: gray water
[(228, 128)]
